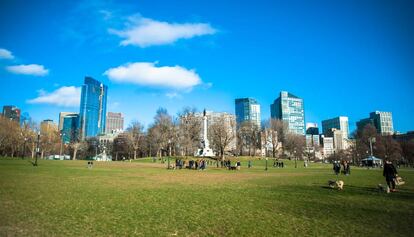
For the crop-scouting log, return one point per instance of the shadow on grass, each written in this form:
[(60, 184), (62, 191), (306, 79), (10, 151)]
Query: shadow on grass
[(402, 194)]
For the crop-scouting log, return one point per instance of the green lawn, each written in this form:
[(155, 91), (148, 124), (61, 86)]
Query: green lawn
[(141, 198)]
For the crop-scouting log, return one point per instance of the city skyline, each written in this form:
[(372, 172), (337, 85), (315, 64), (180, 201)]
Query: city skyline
[(338, 68)]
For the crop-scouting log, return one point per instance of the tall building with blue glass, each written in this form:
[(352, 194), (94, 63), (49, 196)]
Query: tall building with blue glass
[(247, 110), (93, 108), (289, 108), (70, 128)]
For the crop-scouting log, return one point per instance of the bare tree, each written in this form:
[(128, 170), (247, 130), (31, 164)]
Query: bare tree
[(277, 130), (10, 138), (189, 128), (121, 146), (49, 139), (248, 138), (407, 150), (76, 147), (163, 131), (135, 136), (76, 143), (222, 132), (295, 144), (382, 146), (392, 149)]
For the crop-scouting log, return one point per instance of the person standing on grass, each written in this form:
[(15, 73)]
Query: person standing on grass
[(249, 164), (390, 173), (337, 168)]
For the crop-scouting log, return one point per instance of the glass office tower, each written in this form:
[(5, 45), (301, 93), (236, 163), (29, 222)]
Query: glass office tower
[(247, 109), (289, 108), (382, 121), (70, 128), (93, 108), (339, 123)]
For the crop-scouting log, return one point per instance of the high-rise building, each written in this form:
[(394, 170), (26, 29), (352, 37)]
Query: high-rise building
[(289, 108), (25, 119), (114, 122), (364, 122), (327, 146), (47, 125), (338, 123), (47, 122), (11, 112), (62, 115), (93, 108), (312, 129), (70, 128), (312, 140), (382, 121), (247, 110)]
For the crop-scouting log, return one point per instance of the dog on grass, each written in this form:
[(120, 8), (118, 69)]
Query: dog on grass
[(383, 188), (336, 184)]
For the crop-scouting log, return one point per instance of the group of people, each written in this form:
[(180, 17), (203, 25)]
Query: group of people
[(278, 164), (390, 172), (346, 168), (227, 164), (196, 164)]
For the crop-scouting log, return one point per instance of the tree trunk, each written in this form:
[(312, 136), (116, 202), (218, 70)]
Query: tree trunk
[(75, 151), (135, 154)]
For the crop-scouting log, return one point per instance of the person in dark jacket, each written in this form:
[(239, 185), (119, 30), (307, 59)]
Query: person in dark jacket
[(336, 167), (390, 173)]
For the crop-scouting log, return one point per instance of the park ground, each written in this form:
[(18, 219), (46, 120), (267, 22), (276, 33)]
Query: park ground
[(141, 198)]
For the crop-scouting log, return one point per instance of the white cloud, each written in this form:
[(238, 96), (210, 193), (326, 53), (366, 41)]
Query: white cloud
[(30, 69), (6, 54), (67, 96), (145, 32), (148, 74)]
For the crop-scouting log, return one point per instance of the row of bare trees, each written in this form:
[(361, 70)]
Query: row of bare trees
[(384, 147), (181, 136), (166, 136)]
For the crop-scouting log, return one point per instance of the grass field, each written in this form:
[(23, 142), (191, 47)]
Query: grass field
[(64, 198)]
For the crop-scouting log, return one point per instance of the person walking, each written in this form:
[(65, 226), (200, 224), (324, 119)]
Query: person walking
[(390, 173)]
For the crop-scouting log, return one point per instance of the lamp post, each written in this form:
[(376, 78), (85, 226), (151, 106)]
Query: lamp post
[(296, 164), (37, 148), (61, 144), (371, 140), (169, 153), (266, 163), (24, 148)]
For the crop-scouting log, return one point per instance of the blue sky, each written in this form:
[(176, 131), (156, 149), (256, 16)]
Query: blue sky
[(342, 57)]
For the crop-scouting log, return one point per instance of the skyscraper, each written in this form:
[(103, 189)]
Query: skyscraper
[(339, 123), (247, 110), (70, 128), (25, 119), (47, 125), (11, 112), (114, 122), (382, 121), (62, 115), (93, 108), (289, 108)]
